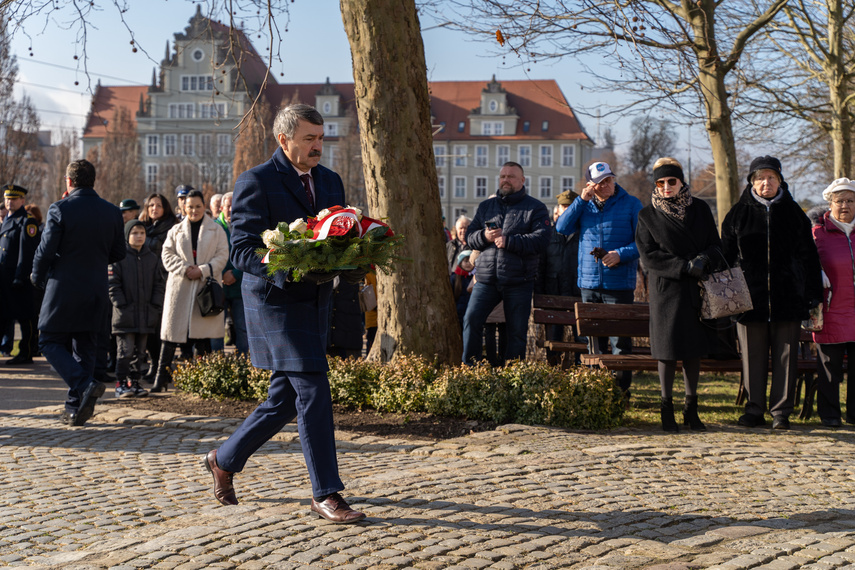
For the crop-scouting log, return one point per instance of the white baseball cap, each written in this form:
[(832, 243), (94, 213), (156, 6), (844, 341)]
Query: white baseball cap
[(598, 172)]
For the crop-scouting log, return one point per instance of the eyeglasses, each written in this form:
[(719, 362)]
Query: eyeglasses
[(668, 181), (843, 202)]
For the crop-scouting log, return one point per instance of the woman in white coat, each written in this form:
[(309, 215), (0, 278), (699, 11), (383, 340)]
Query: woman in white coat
[(194, 250)]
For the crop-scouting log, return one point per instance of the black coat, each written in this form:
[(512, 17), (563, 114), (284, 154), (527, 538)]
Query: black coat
[(346, 323), (778, 256), (19, 238), (136, 288), (665, 244), (558, 268)]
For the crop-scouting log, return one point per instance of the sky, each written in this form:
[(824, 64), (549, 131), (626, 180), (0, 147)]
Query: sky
[(314, 47)]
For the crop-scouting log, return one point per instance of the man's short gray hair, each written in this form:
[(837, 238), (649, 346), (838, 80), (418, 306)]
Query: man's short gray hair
[(228, 195), (289, 117), (462, 218)]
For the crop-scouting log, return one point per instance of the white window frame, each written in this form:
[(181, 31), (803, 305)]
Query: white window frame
[(482, 156), (439, 153), (481, 187), (181, 111), (568, 183), (545, 187), (331, 152), (440, 181), (524, 158), (197, 83), (492, 128), (188, 143), (546, 156), (224, 145), (330, 129), (170, 145), (528, 185), (503, 154), (460, 187), (568, 156), (151, 178), (205, 146), (152, 145), (460, 151)]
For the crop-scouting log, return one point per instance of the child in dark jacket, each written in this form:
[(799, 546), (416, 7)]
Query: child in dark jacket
[(136, 287)]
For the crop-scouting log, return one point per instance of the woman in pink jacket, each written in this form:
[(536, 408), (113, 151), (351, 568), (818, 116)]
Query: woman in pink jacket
[(833, 237)]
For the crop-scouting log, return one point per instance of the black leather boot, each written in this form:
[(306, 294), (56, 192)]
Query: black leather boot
[(690, 415), (161, 381), (666, 412)]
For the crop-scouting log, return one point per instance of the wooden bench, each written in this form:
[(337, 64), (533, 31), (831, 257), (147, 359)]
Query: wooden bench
[(557, 310)]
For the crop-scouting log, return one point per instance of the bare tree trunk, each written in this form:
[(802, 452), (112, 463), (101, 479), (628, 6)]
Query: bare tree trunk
[(838, 88), (416, 313)]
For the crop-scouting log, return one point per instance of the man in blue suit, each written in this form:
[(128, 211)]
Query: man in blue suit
[(83, 234), (287, 322)]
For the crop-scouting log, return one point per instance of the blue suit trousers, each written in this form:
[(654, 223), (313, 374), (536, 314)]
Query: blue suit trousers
[(75, 367), (306, 396)]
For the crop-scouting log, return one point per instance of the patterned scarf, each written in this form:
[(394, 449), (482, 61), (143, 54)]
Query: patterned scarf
[(674, 206)]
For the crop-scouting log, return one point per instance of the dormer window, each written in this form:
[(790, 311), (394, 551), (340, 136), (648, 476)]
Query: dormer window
[(461, 126), (494, 106), (545, 126), (526, 126)]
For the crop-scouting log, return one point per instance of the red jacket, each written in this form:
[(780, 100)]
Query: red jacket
[(837, 255)]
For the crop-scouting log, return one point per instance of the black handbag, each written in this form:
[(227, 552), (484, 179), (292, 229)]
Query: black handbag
[(211, 298)]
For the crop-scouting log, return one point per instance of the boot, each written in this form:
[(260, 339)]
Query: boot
[(690, 415), (666, 411), (167, 353)]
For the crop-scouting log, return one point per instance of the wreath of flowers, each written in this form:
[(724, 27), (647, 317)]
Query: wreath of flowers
[(337, 239)]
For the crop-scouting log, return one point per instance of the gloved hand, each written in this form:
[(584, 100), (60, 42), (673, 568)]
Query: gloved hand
[(814, 303), (826, 282), (319, 278), (354, 276), (18, 284), (39, 286), (697, 267)]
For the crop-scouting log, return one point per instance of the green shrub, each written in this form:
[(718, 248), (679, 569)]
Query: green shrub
[(352, 381), (403, 385), (219, 376)]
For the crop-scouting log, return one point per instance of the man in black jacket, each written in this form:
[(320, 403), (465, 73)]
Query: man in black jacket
[(510, 230)]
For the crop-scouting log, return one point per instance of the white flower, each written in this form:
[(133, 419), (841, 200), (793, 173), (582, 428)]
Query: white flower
[(356, 211), (323, 214), (298, 226), (272, 238)]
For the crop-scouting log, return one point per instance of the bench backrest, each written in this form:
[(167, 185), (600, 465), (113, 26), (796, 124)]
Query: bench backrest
[(600, 319), (555, 310)]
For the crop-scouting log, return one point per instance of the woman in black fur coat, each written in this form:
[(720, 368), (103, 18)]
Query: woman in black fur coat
[(678, 243), (769, 235)]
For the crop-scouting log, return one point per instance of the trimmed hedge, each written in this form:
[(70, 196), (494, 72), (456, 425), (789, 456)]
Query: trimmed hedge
[(523, 392)]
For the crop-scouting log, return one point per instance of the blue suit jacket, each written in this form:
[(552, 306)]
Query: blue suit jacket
[(83, 234), (286, 322)]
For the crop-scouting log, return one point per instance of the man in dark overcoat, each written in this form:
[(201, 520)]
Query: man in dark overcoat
[(19, 237), (83, 235), (287, 322)]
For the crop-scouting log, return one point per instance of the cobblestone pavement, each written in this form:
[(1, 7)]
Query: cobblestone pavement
[(128, 490)]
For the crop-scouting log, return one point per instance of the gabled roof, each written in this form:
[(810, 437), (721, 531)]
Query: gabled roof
[(535, 101), (280, 94), (106, 101)]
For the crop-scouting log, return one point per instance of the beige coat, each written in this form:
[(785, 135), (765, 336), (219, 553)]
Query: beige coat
[(181, 316)]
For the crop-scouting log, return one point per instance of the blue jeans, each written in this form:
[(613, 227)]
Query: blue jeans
[(620, 344), (517, 300), (75, 367), (302, 395), (235, 309)]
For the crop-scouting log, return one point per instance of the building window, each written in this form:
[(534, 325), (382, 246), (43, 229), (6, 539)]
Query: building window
[(151, 178), (461, 126), (503, 154), (224, 145), (330, 129), (181, 110), (526, 126), (459, 155), (494, 106), (187, 145), (481, 156), (327, 107), (441, 183), (544, 126), (490, 128), (439, 156), (205, 147), (524, 155), (151, 146), (546, 187), (459, 186), (197, 83), (480, 186), (198, 55), (212, 111), (567, 183), (528, 183), (568, 155), (330, 152), (546, 155), (169, 144)]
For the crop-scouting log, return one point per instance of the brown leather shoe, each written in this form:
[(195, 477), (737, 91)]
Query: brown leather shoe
[(336, 509), (224, 491)]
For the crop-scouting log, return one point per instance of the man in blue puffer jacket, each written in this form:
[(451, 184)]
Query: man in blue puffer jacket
[(510, 230), (606, 216)]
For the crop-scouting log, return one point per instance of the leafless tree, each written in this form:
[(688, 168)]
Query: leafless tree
[(117, 161)]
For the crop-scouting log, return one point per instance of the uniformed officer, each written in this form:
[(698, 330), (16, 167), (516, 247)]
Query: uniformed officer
[(19, 238), (181, 192)]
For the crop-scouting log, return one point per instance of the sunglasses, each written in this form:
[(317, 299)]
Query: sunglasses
[(668, 181)]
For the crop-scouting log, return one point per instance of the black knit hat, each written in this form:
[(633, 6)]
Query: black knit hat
[(767, 163), (667, 171), (131, 224)]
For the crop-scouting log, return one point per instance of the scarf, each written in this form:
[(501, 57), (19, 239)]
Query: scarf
[(842, 226), (676, 205)]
